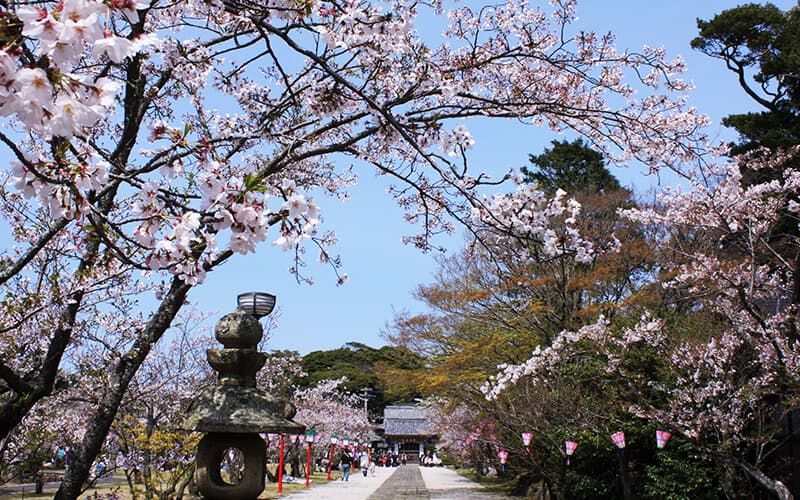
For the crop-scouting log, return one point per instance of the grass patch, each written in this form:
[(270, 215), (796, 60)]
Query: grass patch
[(121, 490), (271, 490), (492, 483)]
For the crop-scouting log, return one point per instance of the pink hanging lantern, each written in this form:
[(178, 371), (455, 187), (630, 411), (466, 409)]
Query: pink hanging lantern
[(527, 437), (503, 456), (570, 447), (661, 438), (619, 439)]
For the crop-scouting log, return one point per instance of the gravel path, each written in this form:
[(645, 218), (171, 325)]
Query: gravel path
[(409, 482)]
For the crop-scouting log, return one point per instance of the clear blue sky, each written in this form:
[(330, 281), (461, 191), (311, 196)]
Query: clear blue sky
[(382, 271)]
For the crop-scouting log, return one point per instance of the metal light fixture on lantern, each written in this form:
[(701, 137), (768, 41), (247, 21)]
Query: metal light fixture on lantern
[(258, 304)]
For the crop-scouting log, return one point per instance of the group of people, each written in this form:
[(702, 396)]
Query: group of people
[(391, 459), (63, 457), (363, 461), (430, 460), (360, 460)]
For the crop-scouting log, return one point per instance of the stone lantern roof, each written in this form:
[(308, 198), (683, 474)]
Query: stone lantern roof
[(235, 404)]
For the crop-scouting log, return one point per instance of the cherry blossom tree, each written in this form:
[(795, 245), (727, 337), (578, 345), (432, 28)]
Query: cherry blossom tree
[(456, 425), (152, 141), (146, 440), (723, 388), (324, 407)]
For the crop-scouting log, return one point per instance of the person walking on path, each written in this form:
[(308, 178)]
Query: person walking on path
[(346, 462), (364, 464)]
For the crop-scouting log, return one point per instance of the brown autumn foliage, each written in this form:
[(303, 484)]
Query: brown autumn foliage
[(484, 311)]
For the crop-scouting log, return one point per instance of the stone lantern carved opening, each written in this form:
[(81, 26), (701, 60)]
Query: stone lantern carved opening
[(215, 483), (232, 466)]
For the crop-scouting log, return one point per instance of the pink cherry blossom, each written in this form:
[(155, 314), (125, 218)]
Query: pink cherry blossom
[(152, 142)]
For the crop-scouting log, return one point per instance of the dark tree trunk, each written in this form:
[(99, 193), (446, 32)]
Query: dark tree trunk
[(29, 392), (774, 486), (122, 374), (624, 475)]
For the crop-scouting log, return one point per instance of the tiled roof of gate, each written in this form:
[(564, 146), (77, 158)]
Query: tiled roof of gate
[(406, 421)]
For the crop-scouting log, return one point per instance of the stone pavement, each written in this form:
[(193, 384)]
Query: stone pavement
[(357, 488), (405, 484), (408, 482), (445, 484)]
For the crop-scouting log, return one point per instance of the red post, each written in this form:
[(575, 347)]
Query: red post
[(330, 461), (280, 467), (308, 464)]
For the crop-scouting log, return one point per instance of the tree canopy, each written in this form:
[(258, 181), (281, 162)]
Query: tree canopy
[(571, 166), (150, 142), (364, 367), (760, 44)]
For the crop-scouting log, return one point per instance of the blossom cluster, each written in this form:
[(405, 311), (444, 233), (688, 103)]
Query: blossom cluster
[(66, 99), (328, 409), (529, 215), (544, 361), (720, 380)]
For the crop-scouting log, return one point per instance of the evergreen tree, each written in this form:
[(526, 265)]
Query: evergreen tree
[(761, 45), (571, 166)]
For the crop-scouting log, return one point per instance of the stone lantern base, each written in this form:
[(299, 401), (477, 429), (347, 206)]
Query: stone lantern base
[(210, 453)]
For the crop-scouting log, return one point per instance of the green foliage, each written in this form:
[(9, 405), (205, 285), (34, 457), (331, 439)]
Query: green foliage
[(571, 166), (680, 473), (580, 399), (335, 363), (677, 472), (161, 453), (29, 454), (363, 366), (761, 45)]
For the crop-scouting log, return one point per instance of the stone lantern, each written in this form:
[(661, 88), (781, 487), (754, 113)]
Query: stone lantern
[(233, 413)]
